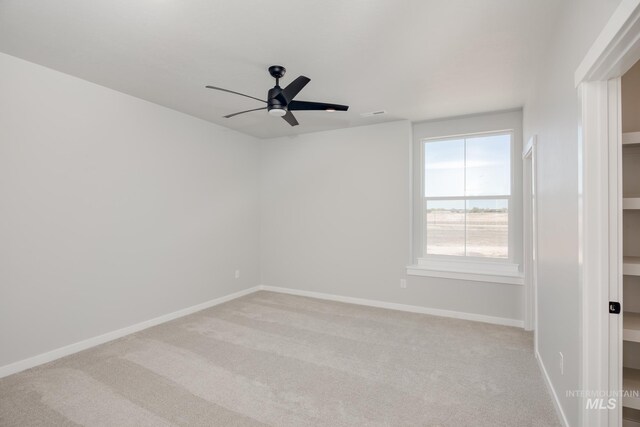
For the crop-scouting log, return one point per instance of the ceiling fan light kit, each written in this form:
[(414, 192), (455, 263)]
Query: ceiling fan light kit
[(280, 102), (277, 112)]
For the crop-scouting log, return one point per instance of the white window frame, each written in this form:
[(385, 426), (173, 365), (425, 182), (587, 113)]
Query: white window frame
[(482, 269)]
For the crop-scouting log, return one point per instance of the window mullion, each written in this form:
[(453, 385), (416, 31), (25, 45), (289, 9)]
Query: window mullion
[(491, 197), (465, 195)]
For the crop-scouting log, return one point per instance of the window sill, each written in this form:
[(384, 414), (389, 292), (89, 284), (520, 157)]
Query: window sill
[(488, 272)]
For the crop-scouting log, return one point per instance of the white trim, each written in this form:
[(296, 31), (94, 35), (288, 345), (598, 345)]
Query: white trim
[(412, 242), (528, 148), (469, 116), (594, 248), (474, 265), (617, 47), (467, 135), (615, 326), (552, 391), (399, 307), (447, 198), (419, 270), (476, 270), (52, 355), (530, 237)]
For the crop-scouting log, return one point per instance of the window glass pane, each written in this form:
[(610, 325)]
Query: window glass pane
[(488, 165), (445, 227), (444, 168), (487, 228)]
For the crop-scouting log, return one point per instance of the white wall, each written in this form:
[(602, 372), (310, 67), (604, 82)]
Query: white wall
[(552, 113), (335, 218), (334, 210), (113, 210)]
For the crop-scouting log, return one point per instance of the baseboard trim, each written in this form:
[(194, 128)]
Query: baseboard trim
[(52, 355), (552, 391), (400, 307)]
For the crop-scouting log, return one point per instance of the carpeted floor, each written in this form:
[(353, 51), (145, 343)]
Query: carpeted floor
[(282, 360)]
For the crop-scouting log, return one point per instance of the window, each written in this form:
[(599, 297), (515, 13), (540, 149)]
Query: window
[(467, 199), (467, 195)]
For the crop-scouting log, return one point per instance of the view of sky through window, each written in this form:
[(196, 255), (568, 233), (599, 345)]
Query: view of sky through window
[(482, 169)]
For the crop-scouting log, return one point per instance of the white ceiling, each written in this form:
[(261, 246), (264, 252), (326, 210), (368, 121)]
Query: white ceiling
[(416, 59)]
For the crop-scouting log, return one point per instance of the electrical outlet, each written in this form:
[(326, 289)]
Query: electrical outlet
[(403, 283), (237, 274), (561, 363)]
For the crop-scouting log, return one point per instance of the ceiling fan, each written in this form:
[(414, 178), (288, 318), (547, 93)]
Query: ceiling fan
[(280, 101)]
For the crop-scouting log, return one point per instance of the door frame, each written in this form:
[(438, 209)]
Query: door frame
[(597, 80), (530, 209)]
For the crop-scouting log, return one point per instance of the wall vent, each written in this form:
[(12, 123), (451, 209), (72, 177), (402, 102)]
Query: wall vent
[(374, 113)]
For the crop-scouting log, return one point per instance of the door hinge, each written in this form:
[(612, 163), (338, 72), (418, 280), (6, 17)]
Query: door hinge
[(614, 307)]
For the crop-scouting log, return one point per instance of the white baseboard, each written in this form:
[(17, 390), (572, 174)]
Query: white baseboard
[(110, 336), (552, 391), (400, 307)]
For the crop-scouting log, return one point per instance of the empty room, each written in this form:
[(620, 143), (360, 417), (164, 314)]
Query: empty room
[(320, 213)]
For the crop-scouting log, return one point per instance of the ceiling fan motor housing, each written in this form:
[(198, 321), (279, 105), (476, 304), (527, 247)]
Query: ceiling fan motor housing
[(274, 105)]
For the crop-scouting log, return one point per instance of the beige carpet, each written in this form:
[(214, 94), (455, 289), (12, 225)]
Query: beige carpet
[(282, 360)]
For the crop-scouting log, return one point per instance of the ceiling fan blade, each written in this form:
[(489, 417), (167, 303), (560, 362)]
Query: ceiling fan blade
[(306, 105), (292, 89), (290, 118), (242, 112), (237, 93)]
